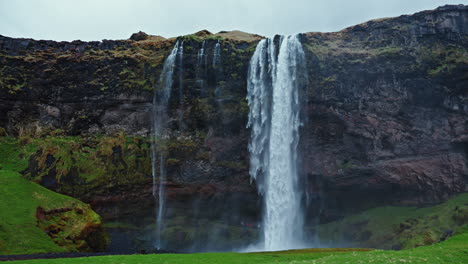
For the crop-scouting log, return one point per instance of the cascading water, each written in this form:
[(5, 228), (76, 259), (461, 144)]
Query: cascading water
[(202, 61), (216, 64), (276, 74), (217, 55), (160, 102), (201, 56), (180, 66)]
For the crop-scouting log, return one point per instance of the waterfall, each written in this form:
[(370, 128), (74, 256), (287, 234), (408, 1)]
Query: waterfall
[(180, 67), (217, 55), (276, 74), (160, 103), (202, 68), (216, 64)]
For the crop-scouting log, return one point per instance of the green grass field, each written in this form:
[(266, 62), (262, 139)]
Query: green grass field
[(454, 250)]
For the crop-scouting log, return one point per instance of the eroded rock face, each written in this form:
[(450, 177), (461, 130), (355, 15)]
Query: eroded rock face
[(385, 115), (387, 122)]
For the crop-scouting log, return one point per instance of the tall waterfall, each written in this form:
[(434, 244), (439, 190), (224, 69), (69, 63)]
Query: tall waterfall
[(276, 74), (160, 102)]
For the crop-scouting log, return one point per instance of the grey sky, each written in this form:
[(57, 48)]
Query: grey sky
[(117, 19)]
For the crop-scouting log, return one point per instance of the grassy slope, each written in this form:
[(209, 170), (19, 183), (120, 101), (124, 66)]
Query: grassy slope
[(19, 200), (18, 231), (405, 227), (454, 250)]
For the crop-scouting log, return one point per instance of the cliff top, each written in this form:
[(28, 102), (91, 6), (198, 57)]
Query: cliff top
[(433, 16), (426, 14), (239, 35)]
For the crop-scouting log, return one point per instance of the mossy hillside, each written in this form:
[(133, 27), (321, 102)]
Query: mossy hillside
[(37, 220), (398, 227), (451, 251), (21, 232), (73, 165), (86, 166), (454, 250)]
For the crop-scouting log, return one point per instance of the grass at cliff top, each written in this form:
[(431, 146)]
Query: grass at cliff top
[(454, 250), (19, 199)]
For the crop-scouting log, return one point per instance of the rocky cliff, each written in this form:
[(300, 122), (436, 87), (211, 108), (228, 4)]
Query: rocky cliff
[(386, 122)]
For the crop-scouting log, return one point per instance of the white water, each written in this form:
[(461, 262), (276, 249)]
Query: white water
[(201, 71), (273, 87), (217, 55), (180, 66), (201, 56), (160, 102)]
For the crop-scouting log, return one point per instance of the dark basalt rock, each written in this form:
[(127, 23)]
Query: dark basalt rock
[(140, 35)]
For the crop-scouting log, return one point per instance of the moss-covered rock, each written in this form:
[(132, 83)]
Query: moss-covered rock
[(398, 227), (37, 220)]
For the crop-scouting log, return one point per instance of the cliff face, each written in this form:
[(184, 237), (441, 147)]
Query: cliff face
[(386, 120), (387, 112)]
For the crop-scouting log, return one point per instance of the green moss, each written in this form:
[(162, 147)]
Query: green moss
[(316, 49), (213, 37), (85, 161), (244, 106), (11, 79), (181, 148), (347, 165), (173, 162), (192, 38), (13, 156), (442, 59), (405, 227), (19, 233)]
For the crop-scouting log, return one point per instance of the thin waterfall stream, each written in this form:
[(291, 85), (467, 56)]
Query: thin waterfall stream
[(160, 117)]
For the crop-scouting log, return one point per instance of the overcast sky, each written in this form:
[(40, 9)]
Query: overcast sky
[(118, 19)]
